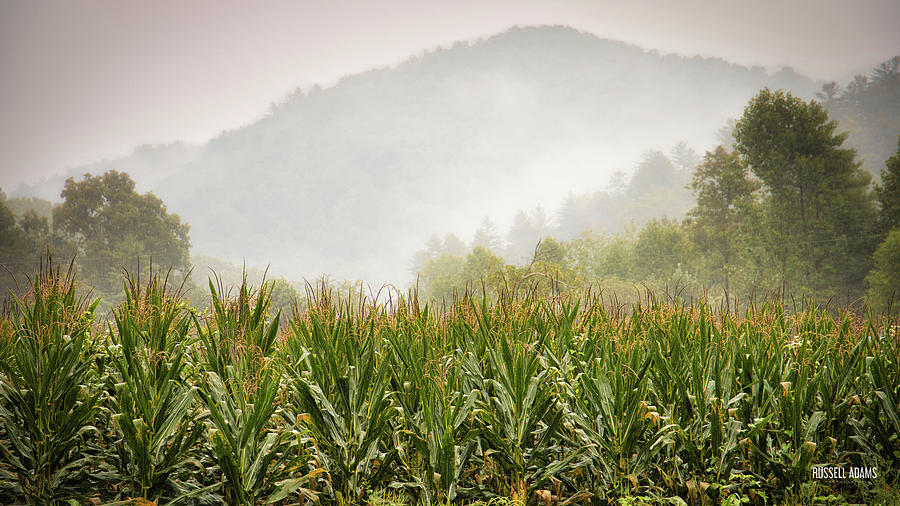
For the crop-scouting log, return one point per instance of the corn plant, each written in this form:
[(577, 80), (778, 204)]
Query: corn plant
[(47, 399), (240, 391), (839, 374), (417, 351), (760, 370), (518, 416), (436, 420), (798, 417), (343, 391), (154, 402), (443, 436), (620, 432), (523, 400), (692, 375), (878, 430)]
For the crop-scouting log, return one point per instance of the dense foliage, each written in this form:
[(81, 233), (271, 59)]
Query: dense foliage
[(112, 226), (537, 400), (102, 223), (24, 236)]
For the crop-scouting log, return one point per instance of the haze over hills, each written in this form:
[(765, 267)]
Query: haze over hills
[(148, 164), (340, 180)]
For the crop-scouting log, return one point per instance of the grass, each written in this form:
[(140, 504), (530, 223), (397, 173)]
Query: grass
[(523, 401)]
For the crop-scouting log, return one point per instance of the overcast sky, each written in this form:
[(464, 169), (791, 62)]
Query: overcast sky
[(85, 80)]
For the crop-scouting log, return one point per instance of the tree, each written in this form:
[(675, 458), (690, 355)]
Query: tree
[(284, 297), (594, 257), (618, 182), (557, 269), (482, 266), (657, 189), (869, 108), (487, 237), (884, 280), (22, 245), (524, 235), (829, 94), (724, 191), (453, 245), (441, 276), (20, 206), (114, 227), (15, 252), (725, 133), (684, 158), (817, 206), (655, 170), (436, 247), (888, 193), (550, 251), (571, 217), (661, 247), (432, 250)]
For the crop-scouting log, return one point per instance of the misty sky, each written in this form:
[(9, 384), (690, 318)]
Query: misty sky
[(85, 80)]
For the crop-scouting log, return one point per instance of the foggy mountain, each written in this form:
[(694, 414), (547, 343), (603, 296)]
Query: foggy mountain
[(352, 179)]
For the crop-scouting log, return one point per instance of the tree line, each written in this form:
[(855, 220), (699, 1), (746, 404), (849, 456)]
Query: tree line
[(780, 207), (783, 210), (102, 224)]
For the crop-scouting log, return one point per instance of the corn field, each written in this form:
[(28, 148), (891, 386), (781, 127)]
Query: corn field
[(524, 400)]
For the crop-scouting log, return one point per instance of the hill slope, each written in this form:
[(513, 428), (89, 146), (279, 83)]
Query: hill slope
[(349, 179)]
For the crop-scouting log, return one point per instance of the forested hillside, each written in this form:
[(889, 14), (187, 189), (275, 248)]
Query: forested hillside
[(447, 137), (868, 107)]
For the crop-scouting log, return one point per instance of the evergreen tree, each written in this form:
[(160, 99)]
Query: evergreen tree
[(420, 259), (684, 158), (869, 108), (487, 237), (655, 170), (570, 218), (725, 133)]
